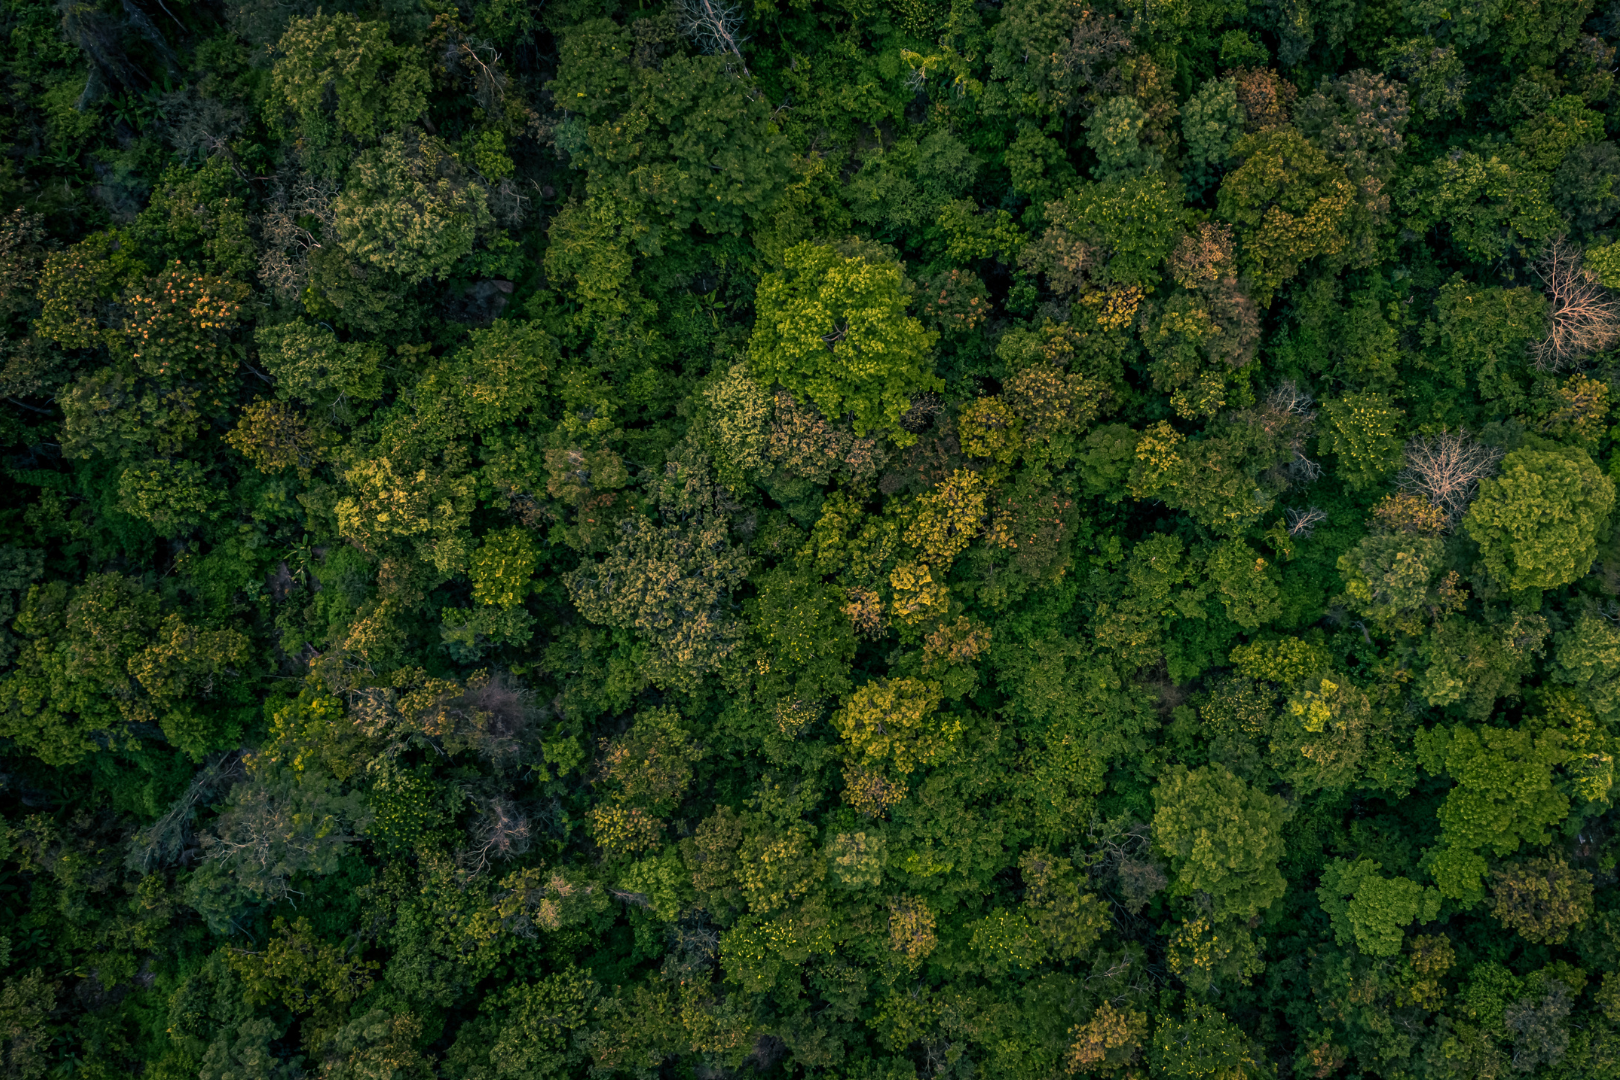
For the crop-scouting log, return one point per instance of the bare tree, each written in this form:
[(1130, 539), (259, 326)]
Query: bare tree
[(1287, 399), (1583, 316), (500, 833), (284, 262), (715, 25), (1302, 523), (170, 836), (482, 65), (1446, 469)]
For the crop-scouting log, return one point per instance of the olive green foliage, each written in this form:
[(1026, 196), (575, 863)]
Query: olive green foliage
[(675, 140), (409, 209), (338, 78), (1223, 838), (1289, 203), (813, 539), (1387, 577), (1373, 910), (671, 585), (1363, 430)]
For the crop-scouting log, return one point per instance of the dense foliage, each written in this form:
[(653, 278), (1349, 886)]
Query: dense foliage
[(875, 539)]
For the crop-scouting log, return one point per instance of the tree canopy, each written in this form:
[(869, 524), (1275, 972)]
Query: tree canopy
[(820, 540)]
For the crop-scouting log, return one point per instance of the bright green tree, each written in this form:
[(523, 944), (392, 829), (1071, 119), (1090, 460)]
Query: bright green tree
[(833, 328), (1505, 796), (1537, 525), (1373, 910)]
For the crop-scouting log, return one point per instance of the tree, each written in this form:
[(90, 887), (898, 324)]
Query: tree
[(833, 328), (1584, 316), (897, 720), (307, 975), (1110, 1039), (1115, 136), (1289, 204), (1225, 480), (1204, 1046), (62, 701), (1109, 234), (311, 365), (528, 1032), (672, 585), (275, 437), (280, 825), (1444, 470), (1588, 658), (1541, 899), (26, 1002), (1363, 430), (1245, 583), (1504, 797), (338, 78), (1388, 577), (1223, 839), (409, 209), (1488, 197), (1211, 124), (686, 140), (503, 569), (911, 929), (1359, 122), (1538, 524), (1370, 909)]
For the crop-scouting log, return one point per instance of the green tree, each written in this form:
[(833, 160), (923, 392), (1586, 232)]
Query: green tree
[(1541, 899), (1204, 1046), (1211, 124), (1115, 136), (1537, 525), (1363, 431), (1245, 583), (297, 969), (62, 701), (1289, 204), (339, 78), (1370, 909), (1504, 796), (1223, 839), (672, 585), (684, 141), (898, 720), (311, 365), (1130, 223), (527, 1034), (409, 208), (1388, 577), (833, 328), (1588, 658)]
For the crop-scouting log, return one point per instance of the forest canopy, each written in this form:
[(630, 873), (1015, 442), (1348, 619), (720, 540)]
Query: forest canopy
[(864, 539)]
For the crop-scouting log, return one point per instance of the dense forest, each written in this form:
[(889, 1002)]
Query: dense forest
[(867, 539)]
